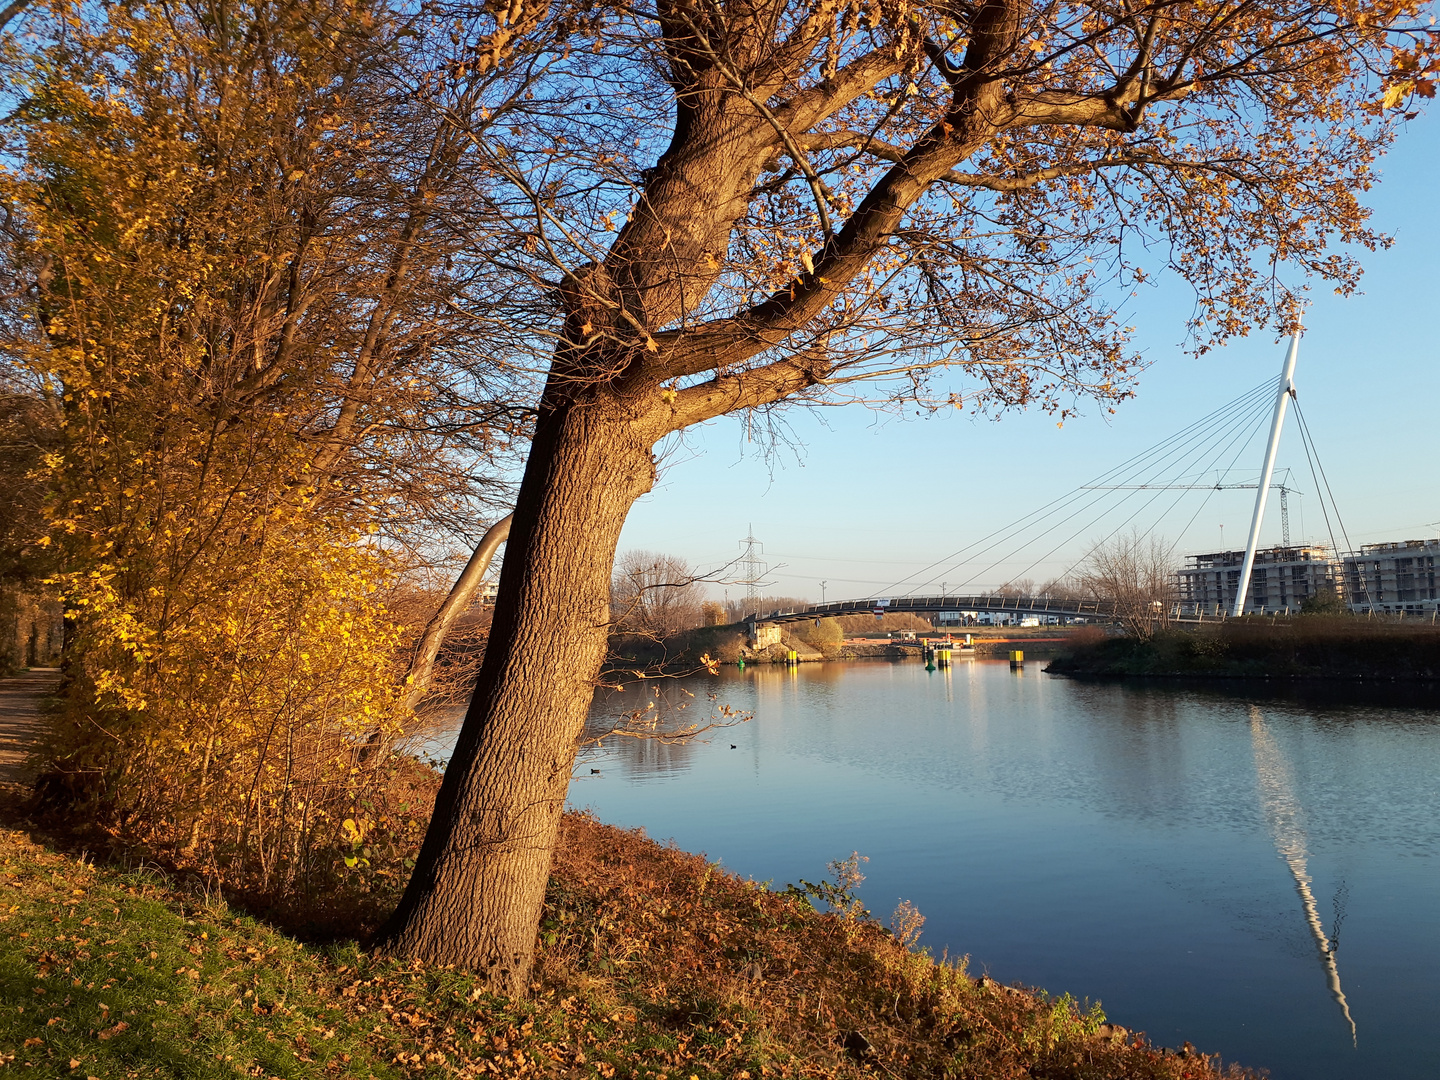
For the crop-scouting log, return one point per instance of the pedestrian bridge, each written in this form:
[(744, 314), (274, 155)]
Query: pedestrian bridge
[(1101, 610)]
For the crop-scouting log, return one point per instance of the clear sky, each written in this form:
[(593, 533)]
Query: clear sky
[(854, 503)]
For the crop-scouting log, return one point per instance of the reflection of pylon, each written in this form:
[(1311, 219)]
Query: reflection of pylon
[(752, 568)]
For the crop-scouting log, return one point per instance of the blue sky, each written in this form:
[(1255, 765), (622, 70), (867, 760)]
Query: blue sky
[(853, 505)]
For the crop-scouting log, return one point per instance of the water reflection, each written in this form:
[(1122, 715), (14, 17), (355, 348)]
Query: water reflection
[(1116, 841), (1284, 816), (653, 728)]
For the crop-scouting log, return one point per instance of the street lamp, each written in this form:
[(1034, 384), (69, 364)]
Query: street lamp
[(822, 592)]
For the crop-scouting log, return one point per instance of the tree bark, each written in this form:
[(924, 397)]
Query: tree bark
[(479, 883)]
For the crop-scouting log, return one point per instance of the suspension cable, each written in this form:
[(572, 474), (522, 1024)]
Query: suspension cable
[(1177, 442), (1249, 423), (1316, 463)]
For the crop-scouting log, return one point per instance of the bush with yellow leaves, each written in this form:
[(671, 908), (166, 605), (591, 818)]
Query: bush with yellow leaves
[(218, 341), (226, 717)]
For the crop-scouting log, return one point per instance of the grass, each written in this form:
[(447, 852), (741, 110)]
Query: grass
[(112, 975), (653, 964)]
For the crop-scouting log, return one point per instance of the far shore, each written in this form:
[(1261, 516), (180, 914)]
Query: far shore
[(727, 645), (1299, 648)]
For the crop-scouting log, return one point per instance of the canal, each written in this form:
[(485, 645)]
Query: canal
[(1257, 874)]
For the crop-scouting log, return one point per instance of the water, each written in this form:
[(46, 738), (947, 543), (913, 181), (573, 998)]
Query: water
[(1259, 876)]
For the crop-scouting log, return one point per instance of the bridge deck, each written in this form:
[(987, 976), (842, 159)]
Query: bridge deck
[(1018, 605)]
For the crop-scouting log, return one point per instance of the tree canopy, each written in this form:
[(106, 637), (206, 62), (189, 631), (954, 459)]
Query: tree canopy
[(239, 318), (743, 204)]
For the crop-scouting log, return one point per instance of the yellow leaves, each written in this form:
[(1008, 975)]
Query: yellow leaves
[(1395, 93)]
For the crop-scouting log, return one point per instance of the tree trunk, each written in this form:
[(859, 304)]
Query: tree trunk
[(479, 884), (422, 667)]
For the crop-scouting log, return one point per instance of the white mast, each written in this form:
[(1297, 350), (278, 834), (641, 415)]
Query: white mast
[(1282, 399)]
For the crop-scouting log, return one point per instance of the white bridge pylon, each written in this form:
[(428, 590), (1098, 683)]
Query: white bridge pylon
[(1282, 399)]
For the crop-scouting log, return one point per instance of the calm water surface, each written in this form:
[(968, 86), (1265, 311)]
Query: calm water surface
[(1259, 876)]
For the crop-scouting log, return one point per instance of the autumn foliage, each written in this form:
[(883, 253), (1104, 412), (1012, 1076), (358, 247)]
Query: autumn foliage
[(219, 344)]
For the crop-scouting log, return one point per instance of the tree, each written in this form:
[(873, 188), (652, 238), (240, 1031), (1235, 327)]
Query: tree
[(462, 593), (1062, 588), (1017, 587), (1134, 572), (654, 594), (238, 248), (28, 611), (1325, 601), (736, 205), (737, 610)]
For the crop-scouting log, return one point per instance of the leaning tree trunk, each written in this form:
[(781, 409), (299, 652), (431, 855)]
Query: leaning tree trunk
[(422, 666), (479, 884)]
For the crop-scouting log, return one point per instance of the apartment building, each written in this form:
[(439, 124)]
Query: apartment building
[(1395, 578), (1281, 580)]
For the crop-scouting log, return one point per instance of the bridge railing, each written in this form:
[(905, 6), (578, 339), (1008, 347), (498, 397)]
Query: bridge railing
[(1031, 605)]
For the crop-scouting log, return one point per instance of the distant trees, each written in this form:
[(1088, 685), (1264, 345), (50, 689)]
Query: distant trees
[(735, 610), (654, 594), (1134, 572), (1324, 602), (29, 613), (1062, 588), (1018, 587)]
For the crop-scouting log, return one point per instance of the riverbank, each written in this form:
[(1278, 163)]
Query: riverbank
[(652, 964), (1298, 648)]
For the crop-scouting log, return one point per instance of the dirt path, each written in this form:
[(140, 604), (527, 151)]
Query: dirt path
[(21, 726)]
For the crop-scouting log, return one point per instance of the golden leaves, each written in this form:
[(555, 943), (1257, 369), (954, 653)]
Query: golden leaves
[(1398, 93)]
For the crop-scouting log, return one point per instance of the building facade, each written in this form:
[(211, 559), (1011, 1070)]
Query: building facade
[(1281, 580), (1396, 578)]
